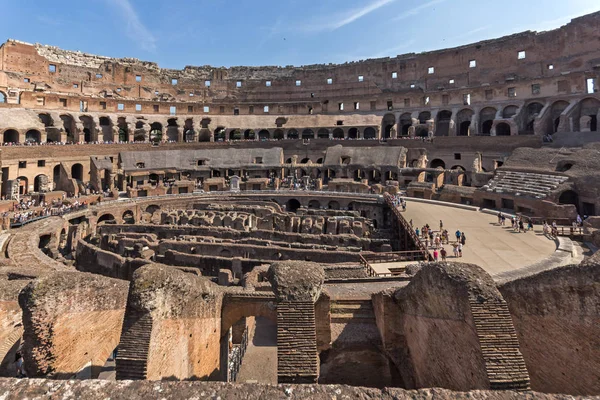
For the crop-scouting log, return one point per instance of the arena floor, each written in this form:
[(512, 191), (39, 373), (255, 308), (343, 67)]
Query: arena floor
[(494, 248)]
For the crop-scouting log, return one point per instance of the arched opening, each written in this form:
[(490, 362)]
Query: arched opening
[(46, 120), (69, 127), (370, 133), (421, 131), (40, 184), (333, 205), (314, 204), (323, 133), (106, 128), (502, 129), (188, 130), (23, 185), (533, 111), (351, 206), (156, 132), (77, 172), (107, 219), (128, 217), (264, 135), (569, 197), (387, 125), (172, 130), (293, 134), (153, 179), (88, 128), (405, 123), (308, 134), (305, 161), (593, 123), (204, 135), (564, 166), (33, 136), (10, 136), (249, 134), (353, 133), (443, 123), (278, 134), (87, 135), (437, 163), (509, 111), (292, 205), (123, 130), (487, 116), (557, 108), (424, 116), (338, 133), (56, 174), (152, 208), (235, 134), (2, 98), (463, 119)]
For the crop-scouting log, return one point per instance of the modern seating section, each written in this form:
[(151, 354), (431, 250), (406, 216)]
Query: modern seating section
[(528, 184)]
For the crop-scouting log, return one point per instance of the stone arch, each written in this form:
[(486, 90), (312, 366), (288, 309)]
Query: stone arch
[(204, 135), (2, 97), (107, 218), (308, 134), (323, 133), (556, 109), (106, 126), (338, 133), (128, 217), (569, 197), (152, 208), (589, 107), (533, 111), (69, 127), (89, 128), (502, 129), (405, 123), (370, 133), (278, 134), (305, 160), (563, 166), (314, 204), (56, 174), (486, 117), (10, 136), (123, 129), (40, 183), (249, 134), (172, 130), (437, 163), (23, 185), (292, 205), (353, 133), (333, 205), (33, 136), (444, 118), (387, 124), (188, 130), (293, 134), (509, 111), (156, 132), (424, 116), (264, 135), (463, 120), (234, 310), (77, 172), (235, 134), (46, 119)]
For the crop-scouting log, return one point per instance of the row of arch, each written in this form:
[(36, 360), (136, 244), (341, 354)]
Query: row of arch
[(221, 133)]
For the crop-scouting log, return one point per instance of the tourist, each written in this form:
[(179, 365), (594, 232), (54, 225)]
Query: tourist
[(441, 225), (503, 220), (460, 249), (499, 218), (529, 225), (457, 234), (455, 250), (443, 253), (579, 220), (20, 371), (521, 225), (435, 255), (416, 230), (438, 241), (463, 239)]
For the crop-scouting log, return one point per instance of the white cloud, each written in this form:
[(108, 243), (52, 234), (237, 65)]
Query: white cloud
[(342, 19), (416, 10), (135, 29)]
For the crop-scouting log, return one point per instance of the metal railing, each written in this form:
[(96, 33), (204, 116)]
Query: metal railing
[(396, 256), (54, 212), (237, 358), (368, 268)]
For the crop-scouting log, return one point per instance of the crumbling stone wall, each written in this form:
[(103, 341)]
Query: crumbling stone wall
[(72, 321), (557, 317)]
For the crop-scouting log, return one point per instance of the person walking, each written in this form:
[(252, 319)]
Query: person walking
[(463, 238), (530, 225), (443, 253), (521, 225), (441, 226), (460, 249), (435, 255), (457, 234), (455, 250), (418, 232)]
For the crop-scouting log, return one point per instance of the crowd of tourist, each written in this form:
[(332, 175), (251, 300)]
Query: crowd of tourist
[(29, 209), (436, 240)]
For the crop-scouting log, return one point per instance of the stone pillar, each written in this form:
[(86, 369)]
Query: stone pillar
[(180, 137)]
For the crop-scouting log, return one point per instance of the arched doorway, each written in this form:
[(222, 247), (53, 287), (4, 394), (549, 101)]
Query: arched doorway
[(338, 133), (56, 174), (292, 205), (40, 183), (333, 205), (443, 123), (314, 204), (509, 111), (33, 136), (235, 134), (156, 132), (11, 136), (128, 217), (463, 119), (353, 133), (278, 134), (293, 134), (323, 133), (77, 172), (502, 129), (405, 123), (370, 133), (264, 135), (308, 134), (204, 135), (437, 163), (486, 127), (569, 197), (387, 124), (123, 130), (107, 219), (249, 134), (487, 116), (424, 116), (23, 185), (172, 130)]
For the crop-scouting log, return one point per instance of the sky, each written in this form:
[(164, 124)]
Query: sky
[(176, 33)]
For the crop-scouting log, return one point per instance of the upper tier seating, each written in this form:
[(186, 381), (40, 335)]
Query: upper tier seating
[(528, 184)]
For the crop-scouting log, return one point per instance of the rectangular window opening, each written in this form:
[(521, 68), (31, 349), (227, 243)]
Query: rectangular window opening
[(206, 109), (190, 109), (521, 55), (138, 107), (138, 78), (590, 85), (268, 83), (430, 70), (451, 81), (172, 110), (251, 110), (412, 85), (63, 102), (356, 105), (329, 81), (75, 85), (266, 109), (535, 88), (512, 92), (457, 156), (341, 106), (298, 83), (52, 68), (103, 105), (174, 81), (98, 76), (394, 75), (207, 83), (238, 84), (550, 66), (373, 105), (41, 163), (467, 99), (26, 80), (120, 106), (361, 78), (472, 63), (155, 107), (390, 105), (406, 102)]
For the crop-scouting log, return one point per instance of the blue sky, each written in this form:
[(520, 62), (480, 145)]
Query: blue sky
[(176, 33)]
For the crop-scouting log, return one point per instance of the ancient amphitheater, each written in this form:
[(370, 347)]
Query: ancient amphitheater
[(243, 225)]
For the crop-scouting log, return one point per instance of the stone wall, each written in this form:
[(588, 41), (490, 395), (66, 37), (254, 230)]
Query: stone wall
[(557, 317), (72, 322)]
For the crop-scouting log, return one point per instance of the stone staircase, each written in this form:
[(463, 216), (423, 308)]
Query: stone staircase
[(527, 184), (297, 359), (352, 311), (132, 355), (505, 366)]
